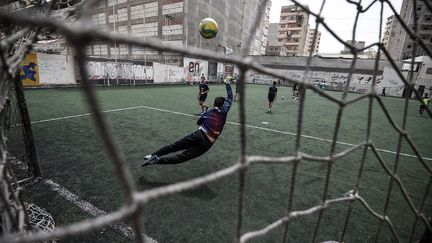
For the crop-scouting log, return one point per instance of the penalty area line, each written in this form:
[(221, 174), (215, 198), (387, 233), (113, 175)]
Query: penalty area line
[(121, 228), (232, 123), (87, 207)]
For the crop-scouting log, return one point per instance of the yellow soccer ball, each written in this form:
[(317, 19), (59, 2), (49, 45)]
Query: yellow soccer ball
[(208, 28)]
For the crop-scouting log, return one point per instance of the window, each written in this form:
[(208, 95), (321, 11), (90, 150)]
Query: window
[(429, 71), (409, 46), (137, 11), (406, 66)]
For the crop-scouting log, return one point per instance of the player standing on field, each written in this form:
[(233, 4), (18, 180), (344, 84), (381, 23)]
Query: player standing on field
[(424, 103), (202, 94), (294, 91), (272, 94)]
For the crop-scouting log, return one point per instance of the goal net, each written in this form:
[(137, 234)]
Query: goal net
[(79, 35)]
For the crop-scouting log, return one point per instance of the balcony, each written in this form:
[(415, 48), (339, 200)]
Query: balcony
[(291, 44)]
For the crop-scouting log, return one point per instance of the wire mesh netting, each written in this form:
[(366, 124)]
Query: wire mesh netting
[(39, 219), (80, 35), (16, 137)]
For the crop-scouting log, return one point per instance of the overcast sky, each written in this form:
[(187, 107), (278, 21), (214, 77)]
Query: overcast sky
[(340, 16)]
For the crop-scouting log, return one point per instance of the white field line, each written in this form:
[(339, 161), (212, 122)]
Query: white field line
[(122, 228), (232, 123), (87, 207)]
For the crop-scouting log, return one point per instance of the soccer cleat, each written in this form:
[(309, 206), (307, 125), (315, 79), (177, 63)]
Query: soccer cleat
[(153, 159), (206, 108)]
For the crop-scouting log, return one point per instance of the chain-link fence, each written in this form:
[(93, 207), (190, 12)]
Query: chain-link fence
[(80, 35)]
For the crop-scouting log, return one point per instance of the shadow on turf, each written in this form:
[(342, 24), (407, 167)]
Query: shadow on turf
[(204, 192)]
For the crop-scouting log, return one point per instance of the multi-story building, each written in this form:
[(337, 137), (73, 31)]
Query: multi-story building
[(264, 39), (356, 44), (401, 45), (388, 31), (294, 23), (273, 34), (274, 48), (261, 36), (175, 23), (309, 41)]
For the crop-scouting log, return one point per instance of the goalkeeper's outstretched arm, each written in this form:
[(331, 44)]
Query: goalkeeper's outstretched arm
[(229, 99)]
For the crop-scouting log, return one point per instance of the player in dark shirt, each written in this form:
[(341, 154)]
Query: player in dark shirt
[(202, 94), (295, 94), (197, 143), (272, 94)]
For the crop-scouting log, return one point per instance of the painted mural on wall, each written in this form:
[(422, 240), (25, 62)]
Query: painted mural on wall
[(212, 71), (118, 70), (335, 81), (194, 68), (167, 73), (29, 70), (55, 69)]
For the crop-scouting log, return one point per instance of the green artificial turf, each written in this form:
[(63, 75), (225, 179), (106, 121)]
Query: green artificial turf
[(72, 154)]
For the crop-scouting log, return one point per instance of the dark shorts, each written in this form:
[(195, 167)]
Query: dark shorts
[(271, 98), (203, 97), (194, 145)]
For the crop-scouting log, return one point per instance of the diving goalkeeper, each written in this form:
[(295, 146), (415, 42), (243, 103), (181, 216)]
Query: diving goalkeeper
[(197, 143)]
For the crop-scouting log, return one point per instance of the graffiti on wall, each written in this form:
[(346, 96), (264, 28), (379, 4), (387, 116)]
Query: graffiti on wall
[(29, 73), (118, 70), (336, 81), (194, 69), (55, 69), (212, 70), (167, 73), (296, 75)]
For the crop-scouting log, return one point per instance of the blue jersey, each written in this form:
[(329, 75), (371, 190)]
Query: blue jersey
[(213, 120)]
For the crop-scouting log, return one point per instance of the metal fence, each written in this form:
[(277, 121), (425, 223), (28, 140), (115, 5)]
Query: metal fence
[(80, 35)]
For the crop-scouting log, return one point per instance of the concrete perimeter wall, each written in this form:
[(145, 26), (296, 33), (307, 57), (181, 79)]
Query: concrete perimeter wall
[(45, 69)]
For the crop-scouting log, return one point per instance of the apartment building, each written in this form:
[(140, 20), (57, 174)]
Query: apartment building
[(174, 22), (356, 44), (400, 45), (388, 31), (293, 29), (274, 48), (309, 41), (261, 35)]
